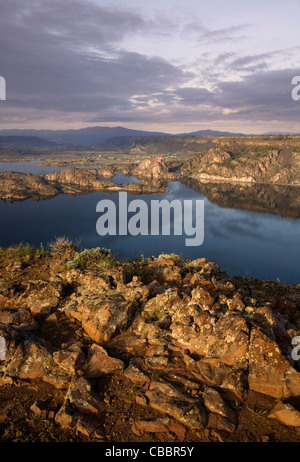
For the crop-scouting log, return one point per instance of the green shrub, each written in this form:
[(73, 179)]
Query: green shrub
[(101, 257)]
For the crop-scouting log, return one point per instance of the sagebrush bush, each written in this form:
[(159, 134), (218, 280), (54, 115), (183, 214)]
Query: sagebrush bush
[(100, 256), (63, 247)]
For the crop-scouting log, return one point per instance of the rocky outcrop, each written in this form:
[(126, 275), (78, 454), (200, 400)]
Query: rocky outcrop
[(190, 345), (84, 178), (271, 160), (153, 167), (16, 186), (73, 181)]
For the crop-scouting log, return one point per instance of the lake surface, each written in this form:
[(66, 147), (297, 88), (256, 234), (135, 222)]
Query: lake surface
[(28, 167), (245, 243)]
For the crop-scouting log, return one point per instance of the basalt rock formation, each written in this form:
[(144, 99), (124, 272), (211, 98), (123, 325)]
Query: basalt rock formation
[(154, 167), (273, 160), (163, 347), (16, 186)]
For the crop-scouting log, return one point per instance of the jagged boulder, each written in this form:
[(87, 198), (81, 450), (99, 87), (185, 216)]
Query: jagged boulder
[(269, 371), (168, 399), (154, 167)]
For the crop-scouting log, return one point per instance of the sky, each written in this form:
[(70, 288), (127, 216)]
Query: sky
[(170, 66)]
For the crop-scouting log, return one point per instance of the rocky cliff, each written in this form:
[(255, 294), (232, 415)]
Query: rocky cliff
[(159, 349), (16, 186), (154, 167), (248, 160)]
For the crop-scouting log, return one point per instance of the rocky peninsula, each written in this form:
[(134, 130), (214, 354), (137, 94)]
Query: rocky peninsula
[(15, 186), (157, 349)]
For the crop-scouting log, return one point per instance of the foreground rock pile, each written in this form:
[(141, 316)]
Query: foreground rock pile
[(179, 343)]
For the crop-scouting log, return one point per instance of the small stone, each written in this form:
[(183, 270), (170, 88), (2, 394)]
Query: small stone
[(235, 304), (169, 399), (219, 435), (51, 415), (136, 376), (67, 359), (214, 402), (141, 400), (65, 418), (177, 428), (52, 318), (286, 414), (99, 363), (87, 425), (150, 426), (37, 407), (218, 422)]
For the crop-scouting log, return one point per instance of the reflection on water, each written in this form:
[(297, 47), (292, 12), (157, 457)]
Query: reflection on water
[(275, 199), (243, 242), (120, 178)]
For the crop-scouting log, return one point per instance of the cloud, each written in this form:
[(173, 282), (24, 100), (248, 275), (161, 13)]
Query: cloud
[(66, 61), (265, 94), (227, 33), (202, 33), (63, 56), (262, 96)]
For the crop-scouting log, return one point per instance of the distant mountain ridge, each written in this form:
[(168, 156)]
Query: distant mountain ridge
[(83, 136), (155, 145), (96, 135), (210, 133), (24, 141)]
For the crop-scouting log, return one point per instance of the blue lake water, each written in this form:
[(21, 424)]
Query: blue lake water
[(246, 243), (120, 178), (28, 167)]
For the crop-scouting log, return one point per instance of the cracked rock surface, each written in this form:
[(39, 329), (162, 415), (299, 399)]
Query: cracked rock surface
[(159, 349)]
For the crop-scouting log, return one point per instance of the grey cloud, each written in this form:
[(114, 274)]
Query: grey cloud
[(265, 95), (270, 90), (223, 57), (98, 85), (71, 21), (63, 56), (195, 96), (249, 60), (262, 96), (203, 34), (228, 33)]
